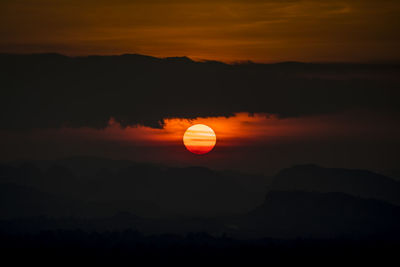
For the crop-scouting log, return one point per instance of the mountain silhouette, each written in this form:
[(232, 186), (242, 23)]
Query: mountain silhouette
[(142, 189), (362, 183), (99, 194), (24, 201), (320, 215)]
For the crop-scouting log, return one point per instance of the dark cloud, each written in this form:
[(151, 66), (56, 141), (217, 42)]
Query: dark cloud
[(45, 91)]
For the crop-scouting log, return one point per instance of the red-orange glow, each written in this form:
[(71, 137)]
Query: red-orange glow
[(199, 139), (242, 129)]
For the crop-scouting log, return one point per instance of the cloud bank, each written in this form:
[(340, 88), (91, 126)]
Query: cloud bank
[(51, 91)]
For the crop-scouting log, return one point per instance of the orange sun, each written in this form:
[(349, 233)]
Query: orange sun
[(199, 139)]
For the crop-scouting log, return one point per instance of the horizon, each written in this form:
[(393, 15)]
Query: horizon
[(190, 132), (205, 60)]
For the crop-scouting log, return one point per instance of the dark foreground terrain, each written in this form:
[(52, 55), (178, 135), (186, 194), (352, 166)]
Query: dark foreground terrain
[(87, 212), (131, 248)]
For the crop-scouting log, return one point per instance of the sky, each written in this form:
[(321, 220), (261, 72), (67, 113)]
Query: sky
[(163, 66), (252, 143), (223, 30)]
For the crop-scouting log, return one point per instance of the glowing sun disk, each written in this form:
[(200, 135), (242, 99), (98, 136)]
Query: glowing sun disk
[(199, 139)]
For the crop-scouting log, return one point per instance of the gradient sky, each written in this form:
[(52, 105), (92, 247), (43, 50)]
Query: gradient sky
[(258, 143), (266, 116), (227, 30)]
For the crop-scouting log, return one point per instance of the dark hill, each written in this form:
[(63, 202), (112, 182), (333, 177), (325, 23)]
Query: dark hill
[(321, 215), (133, 187), (312, 178), (23, 201)]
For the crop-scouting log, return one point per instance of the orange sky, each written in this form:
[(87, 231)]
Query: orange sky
[(243, 129), (227, 30), (260, 143)]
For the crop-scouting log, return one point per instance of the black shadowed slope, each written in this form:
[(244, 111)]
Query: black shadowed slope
[(143, 189), (362, 183), (174, 199), (320, 215)]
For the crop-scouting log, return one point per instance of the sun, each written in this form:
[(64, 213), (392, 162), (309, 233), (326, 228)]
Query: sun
[(199, 139)]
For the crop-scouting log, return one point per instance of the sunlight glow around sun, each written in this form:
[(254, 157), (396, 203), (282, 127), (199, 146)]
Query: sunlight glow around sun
[(199, 139)]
